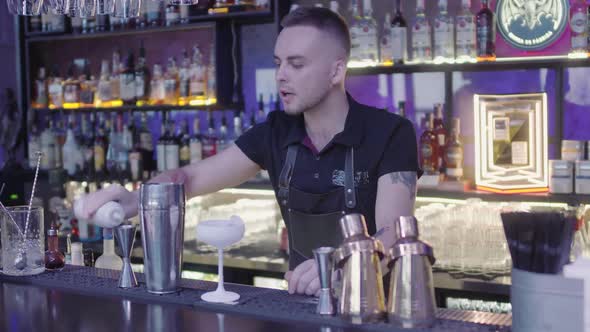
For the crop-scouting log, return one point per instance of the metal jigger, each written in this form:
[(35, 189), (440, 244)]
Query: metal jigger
[(125, 234), (324, 260)]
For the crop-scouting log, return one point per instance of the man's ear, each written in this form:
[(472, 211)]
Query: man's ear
[(338, 71)]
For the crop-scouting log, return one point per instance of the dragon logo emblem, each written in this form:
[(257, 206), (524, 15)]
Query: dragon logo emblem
[(531, 24)]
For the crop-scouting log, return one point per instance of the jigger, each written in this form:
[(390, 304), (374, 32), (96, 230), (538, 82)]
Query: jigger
[(324, 260), (125, 234)]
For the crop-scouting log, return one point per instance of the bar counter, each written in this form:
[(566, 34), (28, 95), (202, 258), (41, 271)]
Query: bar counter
[(88, 299)]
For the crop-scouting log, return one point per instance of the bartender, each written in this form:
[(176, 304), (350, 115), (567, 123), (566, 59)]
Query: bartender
[(326, 154)]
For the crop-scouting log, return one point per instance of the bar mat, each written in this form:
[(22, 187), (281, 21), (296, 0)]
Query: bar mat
[(263, 303)]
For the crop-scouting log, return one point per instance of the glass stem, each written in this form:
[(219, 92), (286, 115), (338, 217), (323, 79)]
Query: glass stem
[(220, 271)]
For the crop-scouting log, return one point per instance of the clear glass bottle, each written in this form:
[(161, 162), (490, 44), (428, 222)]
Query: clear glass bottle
[(142, 78), (41, 100), (55, 88), (196, 147), (399, 35), (171, 83), (104, 90), (485, 33), (421, 36), (444, 36), (108, 259), (184, 79), (71, 88), (157, 87), (48, 147), (71, 152), (465, 29), (161, 147), (34, 145), (223, 139), (579, 27), (454, 153), (363, 34), (386, 46), (115, 79), (212, 78), (88, 86), (197, 77), (127, 81)]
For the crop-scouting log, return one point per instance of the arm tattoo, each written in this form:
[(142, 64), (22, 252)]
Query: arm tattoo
[(406, 178)]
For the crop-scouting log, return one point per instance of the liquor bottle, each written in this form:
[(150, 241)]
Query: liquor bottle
[(183, 13), (485, 33), (386, 46), (68, 255), (172, 147), (48, 147), (399, 35), (146, 145), (421, 36), (444, 37), (184, 79), (196, 147), (55, 88), (441, 135), (104, 90), (115, 80), (127, 82), (579, 27), (100, 149), (112, 149), (34, 145), (172, 15), (237, 125), (71, 90), (88, 87), (88, 24), (210, 141), (363, 34), (454, 153), (102, 23), (428, 150), (71, 152), (77, 254), (125, 145), (161, 148), (222, 141), (465, 29), (142, 78), (185, 144), (197, 76), (41, 99), (108, 259), (136, 162), (154, 10), (87, 144), (60, 139), (401, 109), (171, 83), (54, 259), (157, 87), (212, 78)]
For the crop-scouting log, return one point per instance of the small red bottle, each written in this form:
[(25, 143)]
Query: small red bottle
[(54, 259)]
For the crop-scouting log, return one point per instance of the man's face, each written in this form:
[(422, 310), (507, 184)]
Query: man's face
[(305, 62)]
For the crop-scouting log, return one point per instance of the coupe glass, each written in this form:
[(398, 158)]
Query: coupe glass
[(220, 234)]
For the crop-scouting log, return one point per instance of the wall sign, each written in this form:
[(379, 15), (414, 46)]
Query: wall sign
[(531, 24)]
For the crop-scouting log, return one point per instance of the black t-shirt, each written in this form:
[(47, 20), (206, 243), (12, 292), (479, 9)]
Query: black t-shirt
[(383, 143)]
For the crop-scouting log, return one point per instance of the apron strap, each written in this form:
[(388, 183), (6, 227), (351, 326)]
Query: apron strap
[(349, 191), (286, 174)]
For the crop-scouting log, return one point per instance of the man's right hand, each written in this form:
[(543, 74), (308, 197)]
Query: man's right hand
[(85, 206)]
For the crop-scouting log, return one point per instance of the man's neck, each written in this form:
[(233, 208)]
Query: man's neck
[(327, 119)]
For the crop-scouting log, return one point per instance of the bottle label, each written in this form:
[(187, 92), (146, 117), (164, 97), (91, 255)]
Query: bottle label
[(441, 140), (145, 141), (454, 172), (127, 87), (135, 164), (185, 154), (104, 91), (196, 151), (161, 154), (139, 87), (197, 81), (366, 39), (209, 149), (421, 35), (386, 46), (443, 39), (172, 156), (399, 42), (454, 157), (98, 157), (465, 31)]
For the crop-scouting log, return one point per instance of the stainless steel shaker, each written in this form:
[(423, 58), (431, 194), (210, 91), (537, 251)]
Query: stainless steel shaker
[(411, 293), (360, 298), (161, 214)]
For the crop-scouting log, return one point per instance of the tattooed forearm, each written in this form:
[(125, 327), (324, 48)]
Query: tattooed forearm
[(408, 179)]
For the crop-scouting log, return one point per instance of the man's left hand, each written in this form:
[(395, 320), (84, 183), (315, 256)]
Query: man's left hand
[(304, 279)]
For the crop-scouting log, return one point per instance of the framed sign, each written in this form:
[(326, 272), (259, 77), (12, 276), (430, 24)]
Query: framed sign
[(511, 143), (532, 24)]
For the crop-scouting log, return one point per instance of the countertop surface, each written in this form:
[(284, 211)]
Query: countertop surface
[(88, 299)]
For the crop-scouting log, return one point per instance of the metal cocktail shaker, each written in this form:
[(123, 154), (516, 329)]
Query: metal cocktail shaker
[(361, 298), (411, 292), (161, 214)]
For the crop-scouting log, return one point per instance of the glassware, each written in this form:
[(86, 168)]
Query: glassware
[(221, 234), (126, 8), (25, 7), (33, 246)]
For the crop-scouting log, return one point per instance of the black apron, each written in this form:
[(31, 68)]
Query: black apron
[(312, 220)]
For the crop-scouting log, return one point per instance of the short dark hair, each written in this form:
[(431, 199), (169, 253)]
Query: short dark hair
[(322, 19)]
